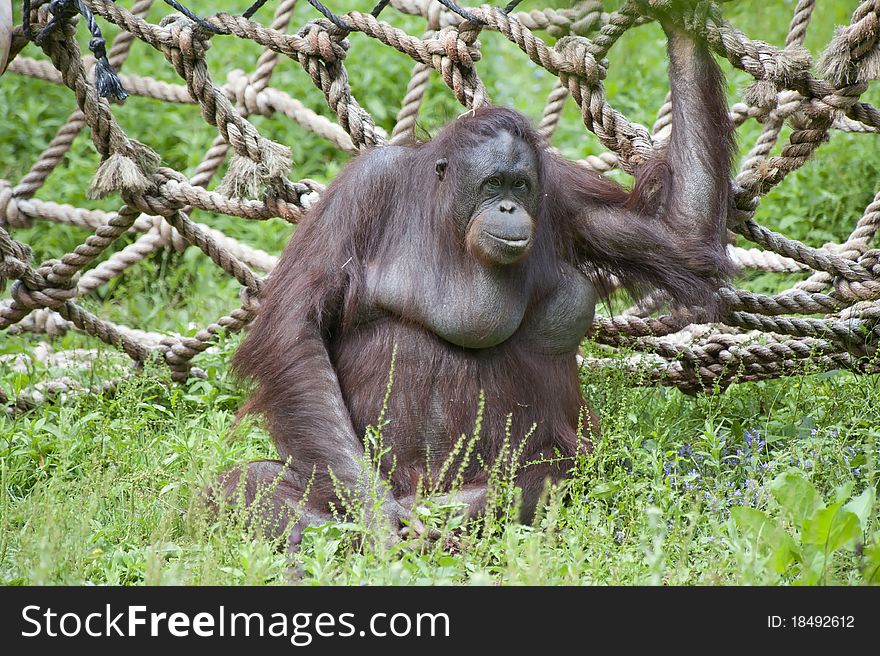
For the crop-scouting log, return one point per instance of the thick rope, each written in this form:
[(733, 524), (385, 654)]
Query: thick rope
[(763, 336)]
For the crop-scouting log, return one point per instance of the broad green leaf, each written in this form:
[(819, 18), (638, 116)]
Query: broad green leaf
[(604, 490), (785, 551), (796, 495), (813, 568), (843, 492), (752, 521), (872, 564), (831, 528), (862, 505), (768, 535)]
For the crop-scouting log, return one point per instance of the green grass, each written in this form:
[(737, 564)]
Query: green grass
[(767, 483)]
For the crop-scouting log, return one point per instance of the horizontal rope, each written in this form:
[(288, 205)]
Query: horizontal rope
[(826, 320)]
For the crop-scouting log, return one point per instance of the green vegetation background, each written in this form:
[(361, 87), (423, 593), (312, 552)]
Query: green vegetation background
[(767, 483)]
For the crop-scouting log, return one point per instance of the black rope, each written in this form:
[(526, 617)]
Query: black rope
[(511, 6), (379, 7), (254, 8), (107, 81), (201, 22), (330, 16), (464, 13)]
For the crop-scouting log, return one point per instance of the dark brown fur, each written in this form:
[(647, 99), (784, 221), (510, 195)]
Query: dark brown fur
[(311, 349)]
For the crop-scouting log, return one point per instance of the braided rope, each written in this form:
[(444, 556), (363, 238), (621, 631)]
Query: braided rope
[(763, 336)]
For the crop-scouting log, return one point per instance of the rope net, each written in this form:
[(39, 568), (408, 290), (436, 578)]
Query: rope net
[(829, 319)]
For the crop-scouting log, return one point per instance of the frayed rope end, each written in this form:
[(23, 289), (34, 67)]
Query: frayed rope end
[(838, 66), (245, 177), (127, 170), (242, 180), (761, 94), (107, 82)]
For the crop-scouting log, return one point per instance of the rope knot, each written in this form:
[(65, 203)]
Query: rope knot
[(189, 37), (52, 292), (9, 214), (60, 282), (788, 66), (12, 249), (150, 200), (469, 32), (456, 48), (16, 259), (870, 260), (325, 40), (65, 16), (783, 69), (579, 60), (250, 300)]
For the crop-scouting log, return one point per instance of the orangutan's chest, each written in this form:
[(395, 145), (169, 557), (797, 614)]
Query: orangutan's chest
[(482, 310)]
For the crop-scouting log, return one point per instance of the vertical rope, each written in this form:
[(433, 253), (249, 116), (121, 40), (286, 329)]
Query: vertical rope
[(797, 29), (405, 122), (797, 32), (663, 123), (410, 106), (553, 110), (60, 144)]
